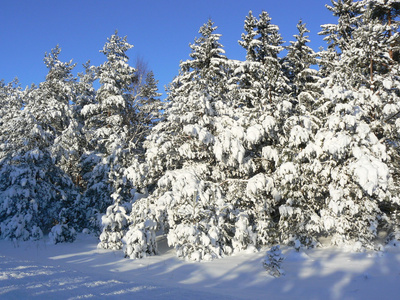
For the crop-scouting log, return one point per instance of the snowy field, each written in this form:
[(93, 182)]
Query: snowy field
[(38, 270)]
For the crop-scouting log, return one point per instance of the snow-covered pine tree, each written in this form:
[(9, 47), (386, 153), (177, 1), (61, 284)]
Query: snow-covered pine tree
[(11, 98), (348, 13), (297, 64), (35, 192), (74, 142), (351, 161), (11, 102), (337, 35), (57, 92), (262, 42), (179, 149), (60, 90), (384, 67), (118, 122), (109, 130), (388, 11), (215, 196), (273, 260), (298, 221)]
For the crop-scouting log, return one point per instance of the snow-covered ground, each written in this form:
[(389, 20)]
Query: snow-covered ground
[(38, 270)]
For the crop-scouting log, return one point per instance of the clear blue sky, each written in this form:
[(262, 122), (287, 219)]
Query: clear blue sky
[(160, 30)]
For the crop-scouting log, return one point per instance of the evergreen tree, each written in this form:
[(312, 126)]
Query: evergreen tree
[(120, 121), (75, 135), (179, 151), (249, 37), (348, 13), (108, 129), (351, 162), (11, 98), (338, 35), (213, 195), (386, 12), (260, 79), (35, 193), (192, 97), (11, 102), (298, 61)]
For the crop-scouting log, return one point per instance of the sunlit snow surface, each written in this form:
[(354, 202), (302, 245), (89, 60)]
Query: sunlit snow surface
[(37, 270)]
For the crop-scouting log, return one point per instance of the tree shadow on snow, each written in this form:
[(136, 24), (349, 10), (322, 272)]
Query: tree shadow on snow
[(60, 270)]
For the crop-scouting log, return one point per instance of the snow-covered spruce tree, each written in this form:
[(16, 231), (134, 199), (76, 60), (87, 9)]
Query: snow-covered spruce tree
[(109, 130), (149, 103), (297, 63), (179, 150), (276, 130), (287, 152), (337, 35), (190, 102), (216, 196), (199, 152), (273, 260), (263, 70), (351, 162), (300, 192), (35, 192), (116, 219), (384, 75), (11, 102), (354, 166), (247, 75)]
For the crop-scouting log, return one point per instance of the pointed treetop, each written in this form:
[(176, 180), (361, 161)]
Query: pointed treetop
[(208, 44), (250, 25), (262, 39), (116, 48), (57, 69)]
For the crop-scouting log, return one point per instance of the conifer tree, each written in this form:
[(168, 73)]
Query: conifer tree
[(119, 122), (11, 102), (216, 196), (338, 35), (260, 78), (298, 61), (348, 145), (109, 128), (386, 12), (179, 158), (249, 37), (35, 193)]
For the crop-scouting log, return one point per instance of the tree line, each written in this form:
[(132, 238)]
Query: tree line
[(240, 155)]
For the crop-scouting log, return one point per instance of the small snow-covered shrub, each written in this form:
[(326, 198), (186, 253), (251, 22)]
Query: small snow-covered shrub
[(115, 224), (62, 233), (140, 240), (273, 260)]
